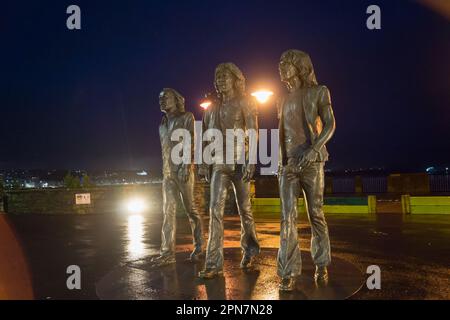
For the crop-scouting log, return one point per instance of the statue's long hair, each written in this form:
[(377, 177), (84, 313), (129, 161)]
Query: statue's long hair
[(239, 82), (303, 63), (178, 97)]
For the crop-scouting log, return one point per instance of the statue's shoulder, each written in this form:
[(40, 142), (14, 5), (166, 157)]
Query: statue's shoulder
[(320, 89), (318, 92), (247, 101), (188, 115), (316, 89), (322, 95)]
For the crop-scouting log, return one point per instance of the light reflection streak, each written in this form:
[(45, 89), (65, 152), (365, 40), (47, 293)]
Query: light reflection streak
[(135, 236)]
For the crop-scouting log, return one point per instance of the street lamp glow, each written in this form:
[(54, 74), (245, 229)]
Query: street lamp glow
[(205, 104), (136, 206), (262, 95)]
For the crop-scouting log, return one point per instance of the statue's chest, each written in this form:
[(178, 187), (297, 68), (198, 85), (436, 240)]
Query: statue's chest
[(293, 106), (230, 113), (166, 129), (298, 103)]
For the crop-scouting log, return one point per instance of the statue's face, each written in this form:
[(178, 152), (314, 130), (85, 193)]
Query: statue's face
[(167, 101), (287, 70), (225, 81)]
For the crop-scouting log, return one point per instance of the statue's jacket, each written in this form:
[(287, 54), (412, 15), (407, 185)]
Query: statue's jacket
[(242, 116), (316, 102), (183, 120)]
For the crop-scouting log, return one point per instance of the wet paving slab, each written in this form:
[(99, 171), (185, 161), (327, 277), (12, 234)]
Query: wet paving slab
[(411, 251), (138, 280)]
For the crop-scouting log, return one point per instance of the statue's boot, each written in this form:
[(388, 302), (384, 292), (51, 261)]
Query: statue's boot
[(196, 255), (287, 284), (160, 261), (247, 261), (210, 273), (321, 274)]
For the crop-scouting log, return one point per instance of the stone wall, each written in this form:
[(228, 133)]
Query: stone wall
[(106, 199), (62, 201)]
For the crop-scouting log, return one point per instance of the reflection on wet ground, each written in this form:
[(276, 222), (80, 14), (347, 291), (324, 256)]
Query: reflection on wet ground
[(412, 251), (135, 227), (180, 281)]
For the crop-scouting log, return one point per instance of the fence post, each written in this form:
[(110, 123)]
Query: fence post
[(406, 204), (358, 184), (372, 204), (2, 196)]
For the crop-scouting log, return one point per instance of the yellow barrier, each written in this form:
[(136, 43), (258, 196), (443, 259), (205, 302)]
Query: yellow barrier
[(425, 205), (272, 206)]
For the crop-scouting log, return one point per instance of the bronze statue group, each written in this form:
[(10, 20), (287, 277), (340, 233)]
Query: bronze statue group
[(306, 123)]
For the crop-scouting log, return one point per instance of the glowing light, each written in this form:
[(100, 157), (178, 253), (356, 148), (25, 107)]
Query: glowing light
[(205, 104), (136, 205), (135, 236), (262, 95)]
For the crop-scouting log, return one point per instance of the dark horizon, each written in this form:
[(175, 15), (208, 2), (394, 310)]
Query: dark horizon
[(88, 99)]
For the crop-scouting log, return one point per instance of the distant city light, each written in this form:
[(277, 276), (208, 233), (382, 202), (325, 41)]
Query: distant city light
[(205, 104), (136, 205), (262, 95)]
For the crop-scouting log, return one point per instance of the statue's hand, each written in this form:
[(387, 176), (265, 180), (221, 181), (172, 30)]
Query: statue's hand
[(184, 172), (248, 171), (203, 172), (288, 170), (309, 156)]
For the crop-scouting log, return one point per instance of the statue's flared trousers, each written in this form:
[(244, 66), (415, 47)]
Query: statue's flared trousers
[(173, 188), (310, 181), (221, 178)]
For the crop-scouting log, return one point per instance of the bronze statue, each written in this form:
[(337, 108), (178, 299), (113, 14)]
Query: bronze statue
[(178, 178), (231, 109), (306, 123)]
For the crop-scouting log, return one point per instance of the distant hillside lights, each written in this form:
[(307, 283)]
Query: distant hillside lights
[(74, 182), (16, 179)]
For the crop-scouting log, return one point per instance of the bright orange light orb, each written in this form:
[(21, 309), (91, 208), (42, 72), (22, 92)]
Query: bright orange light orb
[(205, 105), (262, 95)]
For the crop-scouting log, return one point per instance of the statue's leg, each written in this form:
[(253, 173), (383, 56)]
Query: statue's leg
[(170, 192), (195, 220), (312, 181), (249, 239), (289, 258), (214, 251)]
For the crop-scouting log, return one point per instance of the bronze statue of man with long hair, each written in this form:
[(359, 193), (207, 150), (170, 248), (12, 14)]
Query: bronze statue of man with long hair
[(306, 123), (178, 178), (232, 110)]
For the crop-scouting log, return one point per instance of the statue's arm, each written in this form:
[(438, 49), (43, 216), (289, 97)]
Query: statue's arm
[(251, 123), (190, 122), (279, 104), (327, 117), (205, 125), (203, 169), (251, 114)]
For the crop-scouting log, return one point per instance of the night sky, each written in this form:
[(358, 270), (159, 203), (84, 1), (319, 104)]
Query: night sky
[(88, 99)]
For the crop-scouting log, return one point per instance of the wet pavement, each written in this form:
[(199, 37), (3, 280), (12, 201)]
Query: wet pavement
[(413, 252), (139, 280)]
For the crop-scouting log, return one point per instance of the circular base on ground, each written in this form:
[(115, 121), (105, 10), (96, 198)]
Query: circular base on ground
[(138, 280)]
